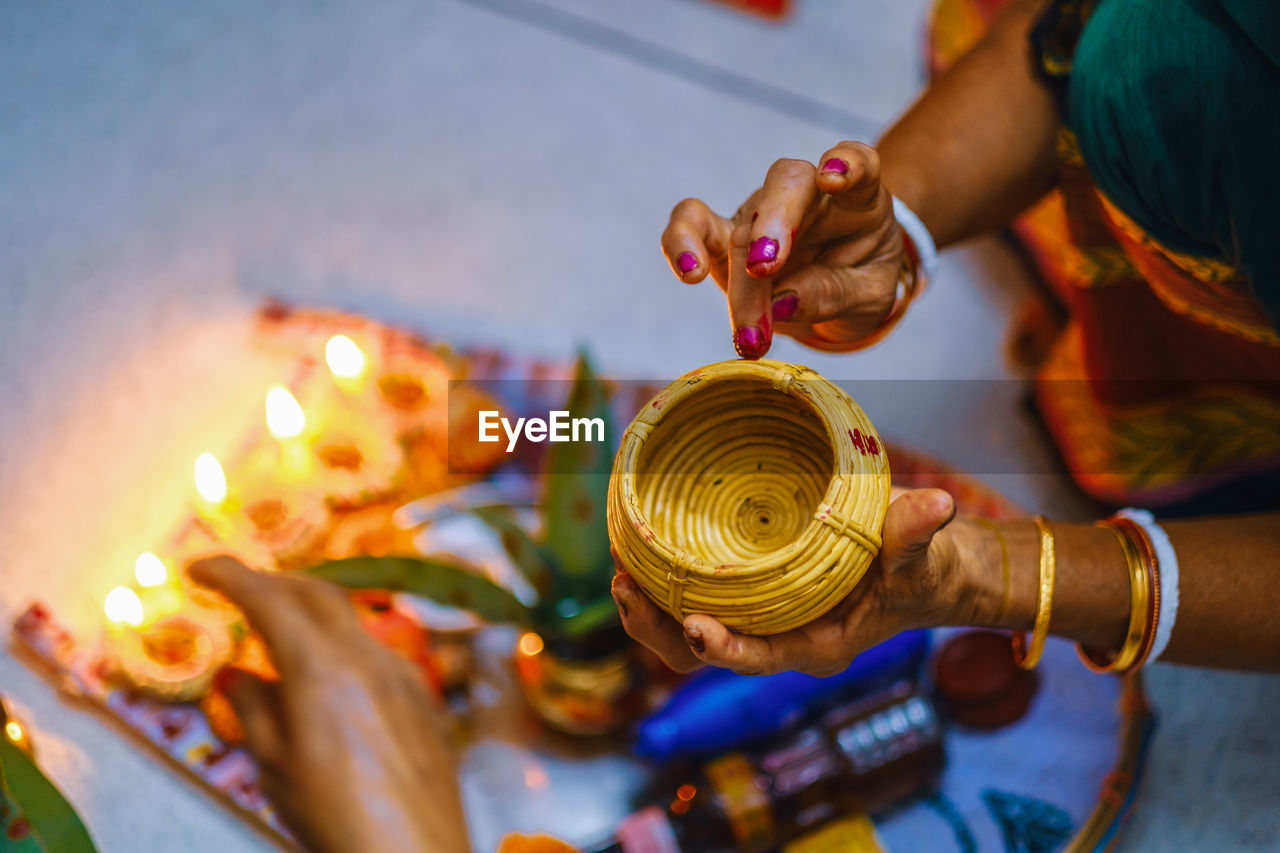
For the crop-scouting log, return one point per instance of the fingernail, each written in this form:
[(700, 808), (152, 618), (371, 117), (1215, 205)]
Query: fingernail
[(784, 307), (693, 637), (687, 262), (224, 679), (835, 166), (762, 251), (749, 342)]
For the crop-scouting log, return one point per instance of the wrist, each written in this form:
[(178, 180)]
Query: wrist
[(990, 586), (974, 592)]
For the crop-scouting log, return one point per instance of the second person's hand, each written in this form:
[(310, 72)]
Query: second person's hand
[(814, 253)]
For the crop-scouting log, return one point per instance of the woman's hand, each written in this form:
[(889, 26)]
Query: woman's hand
[(350, 740), (815, 250), (914, 583)]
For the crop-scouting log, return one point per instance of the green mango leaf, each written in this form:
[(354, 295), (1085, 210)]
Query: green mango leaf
[(590, 618), (535, 562), (54, 824), (577, 473), (444, 582)]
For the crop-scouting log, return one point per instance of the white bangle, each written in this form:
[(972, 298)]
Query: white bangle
[(919, 235), (1168, 577)]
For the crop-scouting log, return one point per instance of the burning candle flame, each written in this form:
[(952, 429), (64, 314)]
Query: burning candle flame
[(150, 570), (344, 358), (124, 607), (285, 417), (211, 482), (14, 731)]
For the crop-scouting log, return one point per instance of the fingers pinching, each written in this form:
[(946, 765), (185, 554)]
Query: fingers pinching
[(694, 240), (651, 626), (267, 601)]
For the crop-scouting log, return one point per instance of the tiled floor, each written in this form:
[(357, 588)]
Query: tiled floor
[(492, 170)]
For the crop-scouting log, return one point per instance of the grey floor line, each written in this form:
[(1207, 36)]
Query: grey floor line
[(724, 81)]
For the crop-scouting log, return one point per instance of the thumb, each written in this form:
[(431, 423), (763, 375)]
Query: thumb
[(257, 706), (910, 525)]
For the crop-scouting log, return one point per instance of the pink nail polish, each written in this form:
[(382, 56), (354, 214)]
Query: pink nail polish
[(749, 342), (762, 251), (687, 262), (835, 166), (784, 307)]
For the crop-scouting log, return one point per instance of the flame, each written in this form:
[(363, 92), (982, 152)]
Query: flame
[(123, 606), (150, 570), (344, 358), (211, 483), (13, 731), (285, 417)]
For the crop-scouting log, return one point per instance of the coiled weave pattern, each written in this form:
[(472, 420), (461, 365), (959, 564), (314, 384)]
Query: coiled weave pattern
[(753, 491)]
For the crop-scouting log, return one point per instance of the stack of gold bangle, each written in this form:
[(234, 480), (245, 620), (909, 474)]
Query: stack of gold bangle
[(1144, 601), (1028, 656)]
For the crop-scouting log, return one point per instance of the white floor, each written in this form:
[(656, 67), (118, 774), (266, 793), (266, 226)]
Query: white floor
[(486, 170)]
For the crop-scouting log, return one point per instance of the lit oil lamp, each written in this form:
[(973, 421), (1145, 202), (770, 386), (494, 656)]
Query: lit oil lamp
[(286, 422), (347, 363), (211, 483), (173, 656)]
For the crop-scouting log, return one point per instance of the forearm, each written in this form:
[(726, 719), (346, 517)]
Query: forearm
[(979, 146), (1229, 612)]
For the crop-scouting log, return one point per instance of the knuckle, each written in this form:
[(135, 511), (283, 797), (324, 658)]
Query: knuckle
[(686, 208)]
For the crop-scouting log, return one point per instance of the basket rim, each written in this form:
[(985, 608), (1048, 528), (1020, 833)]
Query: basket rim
[(786, 378)]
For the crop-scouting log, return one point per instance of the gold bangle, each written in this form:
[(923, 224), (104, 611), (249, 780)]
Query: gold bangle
[(1027, 657), (1148, 553), (1004, 567), (1139, 592)]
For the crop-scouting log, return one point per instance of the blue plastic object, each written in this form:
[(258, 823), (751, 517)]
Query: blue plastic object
[(718, 710)]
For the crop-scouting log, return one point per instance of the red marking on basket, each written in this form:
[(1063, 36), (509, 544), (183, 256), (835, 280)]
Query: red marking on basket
[(865, 443)]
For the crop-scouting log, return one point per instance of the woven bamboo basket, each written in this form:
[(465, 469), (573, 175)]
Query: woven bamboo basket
[(752, 491)]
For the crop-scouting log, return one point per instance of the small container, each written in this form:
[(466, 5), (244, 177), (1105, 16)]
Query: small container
[(753, 491), (591, 687)]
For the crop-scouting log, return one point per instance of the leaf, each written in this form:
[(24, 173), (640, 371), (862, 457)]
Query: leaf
[(577, 473), (590, 618), (449, 583), (535, 562), (55, 825)]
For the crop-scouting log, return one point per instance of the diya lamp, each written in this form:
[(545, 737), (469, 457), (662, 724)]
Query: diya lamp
[(288, 528), (172, 656), (214, 502), (287, 422), (157, 586), (357, 461), (347, 363)]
